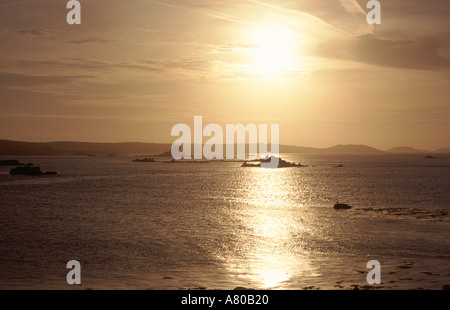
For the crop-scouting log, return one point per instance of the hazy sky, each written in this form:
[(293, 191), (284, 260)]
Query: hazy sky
[(133, 69)]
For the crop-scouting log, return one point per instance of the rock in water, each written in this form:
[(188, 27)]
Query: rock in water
[(10, 162), (241, 288), (341, 206), (27, 170), (50, 173), (145, 160), (430, 157)]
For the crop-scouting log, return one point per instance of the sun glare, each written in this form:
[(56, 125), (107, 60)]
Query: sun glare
[(274, 50)]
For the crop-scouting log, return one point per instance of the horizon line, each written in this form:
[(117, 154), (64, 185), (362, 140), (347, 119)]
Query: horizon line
[(412, 148)]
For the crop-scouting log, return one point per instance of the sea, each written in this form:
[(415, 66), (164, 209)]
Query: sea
[(219, 226)]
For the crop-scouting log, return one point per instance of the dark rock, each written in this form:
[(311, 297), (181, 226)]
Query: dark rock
[(26, 170), (50, 173), (311, 288), (10, 162), (145, 160), (281, 163), (30, 170), (241, 288), (430, 157), (245, 164), (341, 206)]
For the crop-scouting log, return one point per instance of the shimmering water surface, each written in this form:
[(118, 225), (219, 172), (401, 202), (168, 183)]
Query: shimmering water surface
[(219, 226)]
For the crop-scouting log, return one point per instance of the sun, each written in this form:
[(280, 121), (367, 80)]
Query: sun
[(273, 51)]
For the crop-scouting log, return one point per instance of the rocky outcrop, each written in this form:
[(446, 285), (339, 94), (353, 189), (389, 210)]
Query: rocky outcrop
[(10, 162), (26, 170), (30, 170), (341, 206), (281, 163)]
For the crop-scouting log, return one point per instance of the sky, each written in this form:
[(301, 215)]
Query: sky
[(133, 69)]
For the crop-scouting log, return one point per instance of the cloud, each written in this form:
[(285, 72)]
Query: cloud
[(54, 66), (414, 113), (419, 53), (352, 6), (15, 34), (24, 80), (20, 72), (35, 31), (90, 40)]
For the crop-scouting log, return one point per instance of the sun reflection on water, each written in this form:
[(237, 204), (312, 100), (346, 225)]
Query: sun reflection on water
[(266, 254)]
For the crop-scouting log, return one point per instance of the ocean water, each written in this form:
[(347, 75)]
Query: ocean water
[(217, 225)]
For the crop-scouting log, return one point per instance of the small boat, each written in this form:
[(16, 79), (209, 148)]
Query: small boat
[(341, 206)]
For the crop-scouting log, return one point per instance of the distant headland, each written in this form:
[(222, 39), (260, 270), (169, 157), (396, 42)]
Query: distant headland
[(20, 148)]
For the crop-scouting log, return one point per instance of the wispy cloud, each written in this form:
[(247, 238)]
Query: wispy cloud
[(8, 80), (419, 53), (202, 7), (352, 6), (35, 31), (90, 40)]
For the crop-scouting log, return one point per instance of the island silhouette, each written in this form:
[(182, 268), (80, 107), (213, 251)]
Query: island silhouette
[(20, 148)]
